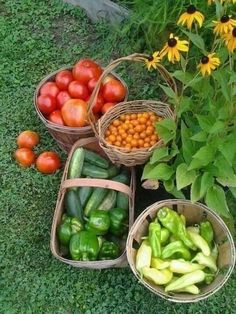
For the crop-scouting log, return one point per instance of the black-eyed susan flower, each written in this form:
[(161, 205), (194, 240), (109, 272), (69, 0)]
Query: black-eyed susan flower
[(208, 63), (213, 1), (152, 61), (190, 16), (172, 48), (224, 25), (230, 40)]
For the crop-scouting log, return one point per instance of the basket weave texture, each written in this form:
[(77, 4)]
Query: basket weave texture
[(116, 154), (194, 214), (91, 144), (65, 136)]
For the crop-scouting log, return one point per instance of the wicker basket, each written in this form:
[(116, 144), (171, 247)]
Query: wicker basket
[(65, 136), (91, 144), (194, 213), (116, 154)]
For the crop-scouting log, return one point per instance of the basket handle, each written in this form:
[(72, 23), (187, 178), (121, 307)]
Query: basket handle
[(137, 57), (99, 183)]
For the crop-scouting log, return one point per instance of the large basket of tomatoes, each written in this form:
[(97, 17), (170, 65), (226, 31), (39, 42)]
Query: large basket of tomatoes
[(127, 131), (61, 100), (94, 210)]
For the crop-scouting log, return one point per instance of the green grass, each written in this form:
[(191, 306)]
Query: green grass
[(38, 37)]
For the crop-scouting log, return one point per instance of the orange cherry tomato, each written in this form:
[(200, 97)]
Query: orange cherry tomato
[(27, 139), (48, 162), (25, 157)]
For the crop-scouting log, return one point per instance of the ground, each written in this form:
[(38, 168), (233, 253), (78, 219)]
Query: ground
[(38, 37)]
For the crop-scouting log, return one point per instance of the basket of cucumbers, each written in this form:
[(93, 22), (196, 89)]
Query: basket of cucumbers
[(94, 209)]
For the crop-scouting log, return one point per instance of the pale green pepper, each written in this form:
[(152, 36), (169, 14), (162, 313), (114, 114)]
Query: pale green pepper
[(186, 280), (143, 257), (159, 277), (183, 267), (159, 263), (199, 242)]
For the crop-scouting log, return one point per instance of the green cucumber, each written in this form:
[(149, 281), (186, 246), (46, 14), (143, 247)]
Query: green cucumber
[(109, 201), (73, 205), (113, 171), (122, 200), (95, 200), (95, 159), (76, 163), (94, 171), (123, 177), (84, 194)]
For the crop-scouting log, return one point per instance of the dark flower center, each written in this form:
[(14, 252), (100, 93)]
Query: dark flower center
[(224, 19), (150, 58), (172, 42), (191, 9), (234, 32), (204, 60)]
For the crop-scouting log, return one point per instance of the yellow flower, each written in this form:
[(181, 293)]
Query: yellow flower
[(224, 25), (221, 1), (208, 63), (153, 60), (230, 40), (172, 48), (190, 16)]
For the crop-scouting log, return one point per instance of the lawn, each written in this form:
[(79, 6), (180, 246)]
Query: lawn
[(38, 37)]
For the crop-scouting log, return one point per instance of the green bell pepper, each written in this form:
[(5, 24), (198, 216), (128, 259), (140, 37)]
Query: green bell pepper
[(68, 227), (174, 223), (177, 248), (154, 238), (84, 246), (206, 231), (109, 250), (99, 222), (119, 221)]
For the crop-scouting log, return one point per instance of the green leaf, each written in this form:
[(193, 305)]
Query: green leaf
[(166, 129), (169, 91), (227, 181), (217, 127), (161, 171), (200, 136), (169, 185), (196, 40), (219, 9), (223, 166), (203, 157), (232, 79), (216, 200), (205, 122), (195, 189), (187, 145), (158, 154), (200, 186), (206, 182), (183, 77), (228, 149), (233, 191), (222, 78), (183, 176), (176, 193), (184, 105)]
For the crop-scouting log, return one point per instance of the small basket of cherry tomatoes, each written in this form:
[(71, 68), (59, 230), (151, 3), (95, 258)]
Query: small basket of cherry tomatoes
[(127, 132), (61, 100)]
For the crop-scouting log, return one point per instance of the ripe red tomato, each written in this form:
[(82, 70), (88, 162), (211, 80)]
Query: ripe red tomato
[(46, 104), (78, 90), (48, 162), (98, 105), (56, 117), (25, 157), (63, 79), (62, 97), (85, 70), (113, 91), (107, 106), (91, 84), (74, 113), (49, 88), (27, 139)]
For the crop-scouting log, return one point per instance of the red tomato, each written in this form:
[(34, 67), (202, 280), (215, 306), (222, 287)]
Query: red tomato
[(49, 88), (108, 78), (62, 97), (48, 162), (56, 117), (63, 79), (25, 157), (107, 107), (74, 113), (85, 70), (99, 103), (27, 139), (113, 91), (46, 104), (78, 90), (91, 84)]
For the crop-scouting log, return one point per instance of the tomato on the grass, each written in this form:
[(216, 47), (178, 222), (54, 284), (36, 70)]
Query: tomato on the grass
[(99, 104), (62, 97), (56, 117), (25, 157), (107, 106), (27, 139), (113, 91), (74, 113), (49, 88), (46, 104), (63, 79), (85, 70), (78, 90), (48, 162)]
